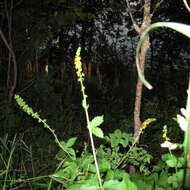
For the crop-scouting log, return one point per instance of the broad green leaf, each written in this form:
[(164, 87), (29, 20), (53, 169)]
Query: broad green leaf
[(142, 185), (104, 165), (120, 174), (91, 184), (151, 179), (166, 156), (172, 163), (163, 179), (110, 174), (118, 133), (85, 161), (98, 132), (172, 160), (176, 179), (90, 187), (125, 184), (74, 187), (112, 185), (97, 121), (129, 184)]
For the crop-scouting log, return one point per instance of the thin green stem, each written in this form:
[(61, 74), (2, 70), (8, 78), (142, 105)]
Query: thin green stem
[(90, 133), (9, 163)]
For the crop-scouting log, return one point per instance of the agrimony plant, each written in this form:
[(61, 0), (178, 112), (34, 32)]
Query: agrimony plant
[(26, 108), (95, 122)]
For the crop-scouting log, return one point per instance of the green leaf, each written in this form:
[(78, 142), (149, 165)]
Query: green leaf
[(98, 120), (2, 172), (104, 165), (71, 142), (125, 184), (112, 185), (59, 176), (91, 184), (142, 185), (163, 179), (176, 179), (64, 144), (98, 132), (118, 133), (129, 184), (58, 180), (172, 160), (71, 151), (74, 187)]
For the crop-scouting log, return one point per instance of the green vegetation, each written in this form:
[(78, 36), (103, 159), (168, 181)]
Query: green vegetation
[(70, 116), (107, 167)]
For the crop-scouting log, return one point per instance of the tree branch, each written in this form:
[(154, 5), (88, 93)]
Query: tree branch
[(157, 6), (135, 25)]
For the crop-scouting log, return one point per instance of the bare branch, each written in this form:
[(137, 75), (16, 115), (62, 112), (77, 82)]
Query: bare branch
[(135, 25), (157, 6), (5, 41)]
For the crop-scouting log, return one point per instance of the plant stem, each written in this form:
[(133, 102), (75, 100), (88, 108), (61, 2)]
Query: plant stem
[(90, 134)]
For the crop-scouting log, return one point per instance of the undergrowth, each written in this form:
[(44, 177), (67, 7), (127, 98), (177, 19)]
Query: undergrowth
[(103, 167)]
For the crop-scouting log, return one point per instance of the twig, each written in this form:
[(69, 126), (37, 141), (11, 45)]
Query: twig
[(135, 25)]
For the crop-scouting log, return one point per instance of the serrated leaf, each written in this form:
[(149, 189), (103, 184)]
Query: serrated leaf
[(98, 120), (71, 142), (98, 132), (104, 165), (172, 162)]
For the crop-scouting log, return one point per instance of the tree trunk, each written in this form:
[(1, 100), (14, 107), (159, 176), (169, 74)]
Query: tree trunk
[(140, 29), (139, 88)]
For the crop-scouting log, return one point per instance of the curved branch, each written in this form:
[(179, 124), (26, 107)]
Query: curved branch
[(5, 41)]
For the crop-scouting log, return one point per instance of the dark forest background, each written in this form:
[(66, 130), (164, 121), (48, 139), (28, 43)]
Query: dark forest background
[(38, 42)]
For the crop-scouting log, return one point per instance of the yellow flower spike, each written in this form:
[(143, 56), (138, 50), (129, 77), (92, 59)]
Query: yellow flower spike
[(165, 130), (146, 123), (78, 65)]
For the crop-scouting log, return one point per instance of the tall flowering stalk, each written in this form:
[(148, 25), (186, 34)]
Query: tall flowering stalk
[(81, 75)]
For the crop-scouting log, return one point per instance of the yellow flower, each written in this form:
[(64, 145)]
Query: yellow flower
[(146, 123), (78, 66), (165, 137)]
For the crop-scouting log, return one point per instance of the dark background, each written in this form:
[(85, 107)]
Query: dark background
[(48, 32)]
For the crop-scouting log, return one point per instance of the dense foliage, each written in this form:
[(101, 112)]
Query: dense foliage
[(38, 40)]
